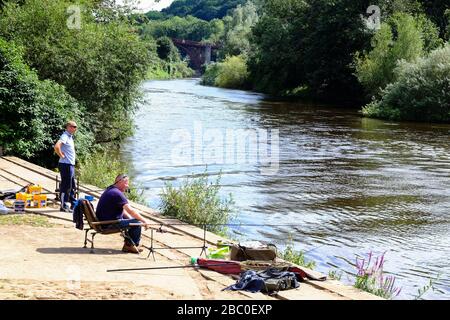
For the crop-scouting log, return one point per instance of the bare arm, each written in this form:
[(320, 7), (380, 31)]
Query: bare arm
[(58, 149), (129, 213)]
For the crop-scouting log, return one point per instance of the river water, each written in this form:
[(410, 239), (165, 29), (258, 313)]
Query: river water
[(337, 184)]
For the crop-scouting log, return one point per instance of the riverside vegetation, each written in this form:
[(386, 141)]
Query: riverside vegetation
[(51, 72), (320, 50)]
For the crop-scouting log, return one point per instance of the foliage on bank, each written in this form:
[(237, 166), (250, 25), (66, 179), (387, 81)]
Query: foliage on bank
[(197, 201), (86, 68), (230, 73), (101, 62), (32, 111), (414, 37), (420, 93)]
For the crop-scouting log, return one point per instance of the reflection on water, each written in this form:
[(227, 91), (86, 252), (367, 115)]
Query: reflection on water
[(346, 185)]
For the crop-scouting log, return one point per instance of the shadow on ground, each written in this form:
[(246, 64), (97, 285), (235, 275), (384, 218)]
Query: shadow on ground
[(71, 250)]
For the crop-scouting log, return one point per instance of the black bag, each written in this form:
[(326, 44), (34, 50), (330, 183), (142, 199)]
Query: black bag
[(276, 280), (12, 194)]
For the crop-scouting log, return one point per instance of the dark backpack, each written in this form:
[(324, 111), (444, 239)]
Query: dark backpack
[(276, 280), (12, 194)]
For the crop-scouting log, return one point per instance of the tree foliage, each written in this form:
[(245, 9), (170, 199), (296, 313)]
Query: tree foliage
[(189, 28), (306, 43), (33, 112), (230, 73), (238, 29), (101, 63), (436, 12), (375, 69), (420, 93), (202, 9)]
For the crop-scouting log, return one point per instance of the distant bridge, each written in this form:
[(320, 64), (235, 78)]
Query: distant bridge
[(198, 53)]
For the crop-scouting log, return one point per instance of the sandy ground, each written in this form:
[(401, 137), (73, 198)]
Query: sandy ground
[(50, 263)]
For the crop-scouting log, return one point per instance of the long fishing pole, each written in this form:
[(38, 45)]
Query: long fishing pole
[(221, 224), (171, 267)]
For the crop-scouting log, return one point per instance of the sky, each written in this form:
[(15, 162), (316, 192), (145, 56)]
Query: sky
[(147, 5)]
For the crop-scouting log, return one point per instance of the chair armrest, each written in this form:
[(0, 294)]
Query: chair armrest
[(106, 222)]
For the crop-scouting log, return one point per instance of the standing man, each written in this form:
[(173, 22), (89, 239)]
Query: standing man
[(113, 205), (65, 149)]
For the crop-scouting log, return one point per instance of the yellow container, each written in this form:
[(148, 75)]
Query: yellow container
[(40, 200), (34, 189), (26, 197)]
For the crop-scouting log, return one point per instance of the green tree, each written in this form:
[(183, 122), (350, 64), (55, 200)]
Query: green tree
[(202, 9), (306, 43), (436, 12), (390, 7), (189, 28), (33, 112), (447, 34), (101, 64), (230, 73), (375, 69), (165, 48), (238, 28), (420, 93)]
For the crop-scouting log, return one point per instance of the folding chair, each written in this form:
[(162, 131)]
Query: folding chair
[(100, 227)]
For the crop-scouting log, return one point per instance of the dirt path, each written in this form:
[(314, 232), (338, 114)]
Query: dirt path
[(38, 262), (50, 263)]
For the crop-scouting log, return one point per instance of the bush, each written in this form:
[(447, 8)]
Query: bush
[(421, 92), (296, 257), (375, 70), (231, 73), (197, 201), (210, 75), (101, 64)]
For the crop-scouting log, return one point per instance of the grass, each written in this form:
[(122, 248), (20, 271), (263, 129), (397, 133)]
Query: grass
[(421, 291), (296, 257), (25, 219), (335, 275)]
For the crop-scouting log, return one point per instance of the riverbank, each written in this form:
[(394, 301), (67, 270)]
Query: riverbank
[(54, 256)]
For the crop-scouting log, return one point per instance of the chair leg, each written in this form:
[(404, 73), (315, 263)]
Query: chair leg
[(92, 242), (85, 238)]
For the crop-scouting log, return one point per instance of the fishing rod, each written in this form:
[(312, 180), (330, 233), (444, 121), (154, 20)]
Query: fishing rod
[(171, 267), (221, 224)]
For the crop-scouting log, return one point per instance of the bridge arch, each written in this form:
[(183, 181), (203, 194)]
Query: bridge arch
[(198, 53)]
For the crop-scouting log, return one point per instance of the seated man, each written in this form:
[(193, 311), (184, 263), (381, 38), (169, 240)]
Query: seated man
[(114, 206)]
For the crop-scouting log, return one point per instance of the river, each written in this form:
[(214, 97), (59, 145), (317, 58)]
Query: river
[(342, 184)]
